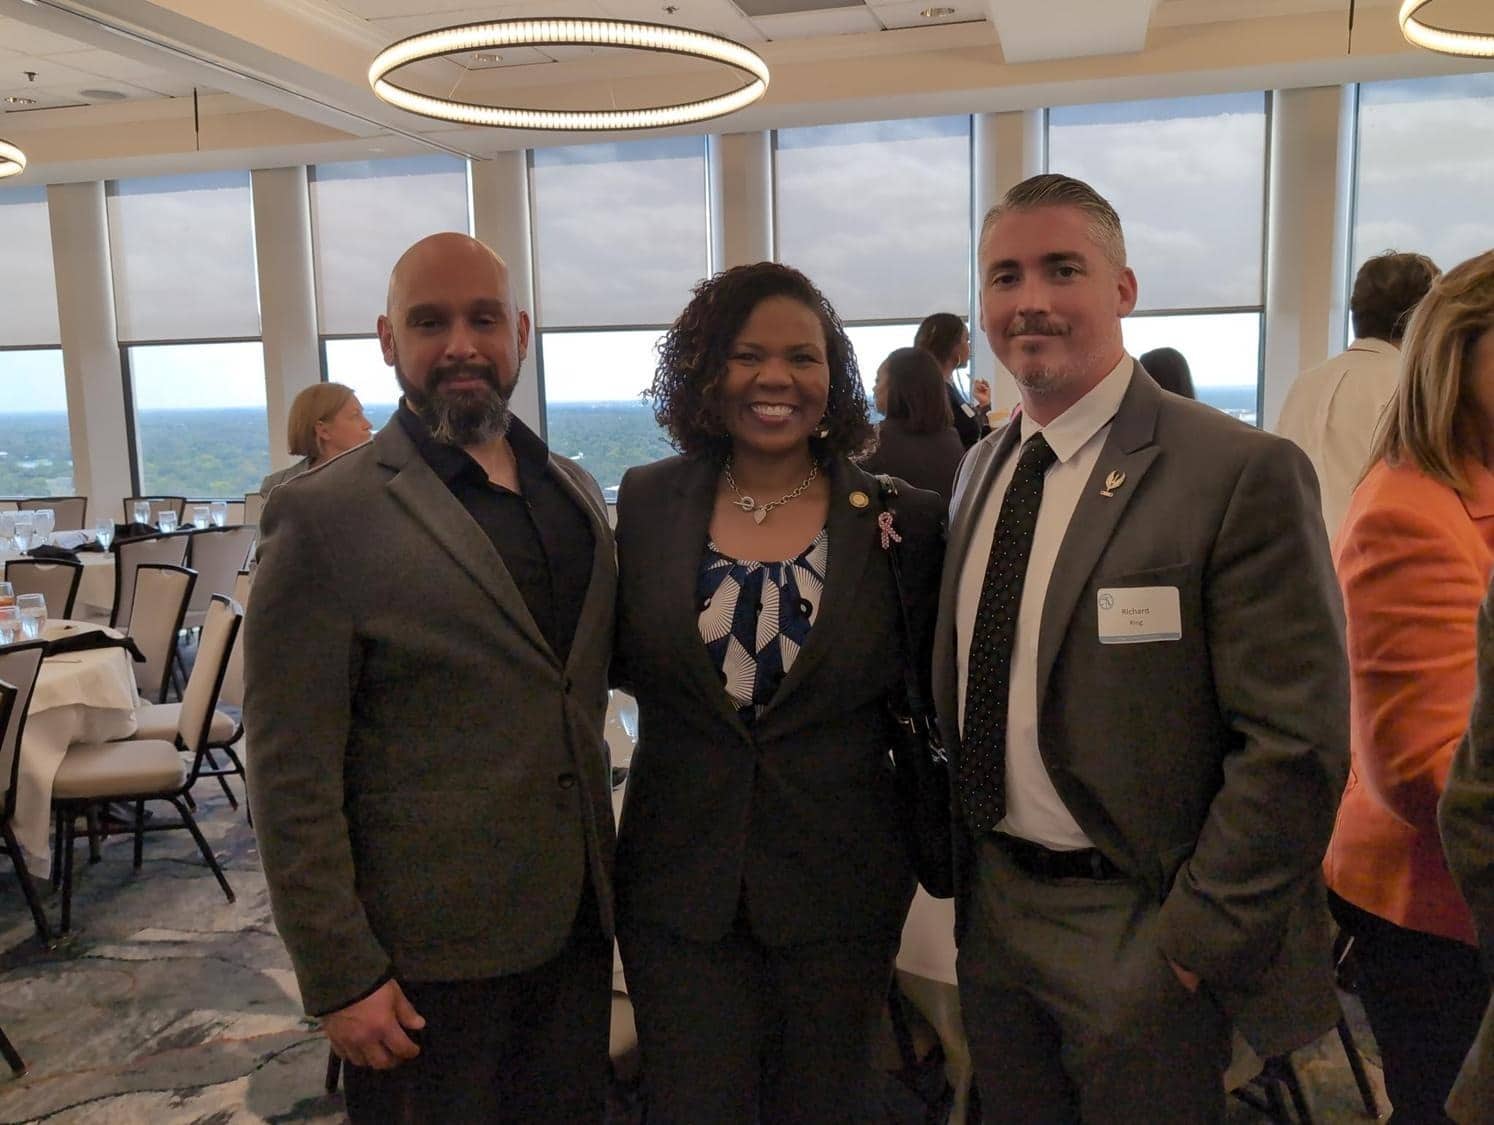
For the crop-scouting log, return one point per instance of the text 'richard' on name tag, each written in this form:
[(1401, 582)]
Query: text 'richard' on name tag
[(1131, 615)]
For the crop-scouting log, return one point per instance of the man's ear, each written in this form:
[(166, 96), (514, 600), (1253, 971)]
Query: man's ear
[(1126, 285), (523, 334), (386, 339)]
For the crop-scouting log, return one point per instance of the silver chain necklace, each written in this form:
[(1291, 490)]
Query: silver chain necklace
[(759, 512)]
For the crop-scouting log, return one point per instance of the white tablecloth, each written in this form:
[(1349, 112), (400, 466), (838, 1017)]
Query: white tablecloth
[(79, 697), (95, 586)]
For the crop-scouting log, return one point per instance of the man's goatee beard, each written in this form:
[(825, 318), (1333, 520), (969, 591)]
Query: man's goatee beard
[(453, 422)]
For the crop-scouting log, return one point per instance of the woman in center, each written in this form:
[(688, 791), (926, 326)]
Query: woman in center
[(762, 874)]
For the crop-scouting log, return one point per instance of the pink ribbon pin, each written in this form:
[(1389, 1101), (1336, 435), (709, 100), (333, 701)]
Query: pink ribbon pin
[(889, 533)]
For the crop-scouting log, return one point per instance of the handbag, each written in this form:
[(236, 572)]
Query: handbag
[(920, 762)]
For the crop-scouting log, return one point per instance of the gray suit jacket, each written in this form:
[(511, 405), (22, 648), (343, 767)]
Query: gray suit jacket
[(430, 785), (280, 476), (1466, 816), (1209, 768)]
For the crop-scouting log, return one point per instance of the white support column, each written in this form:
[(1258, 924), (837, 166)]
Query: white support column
[(90, 345), (1009, 147), (1312, 151), (741, 172), (287, 296), (500, 218)]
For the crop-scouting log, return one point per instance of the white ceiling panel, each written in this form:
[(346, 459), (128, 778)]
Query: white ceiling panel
[(26, 40), (805, 25), (428, 9), (898, 14), (1066, 29)]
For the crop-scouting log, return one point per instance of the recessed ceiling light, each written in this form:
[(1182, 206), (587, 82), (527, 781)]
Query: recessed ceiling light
[(102, 95), (936, 13), (487, 58), (17, 99)]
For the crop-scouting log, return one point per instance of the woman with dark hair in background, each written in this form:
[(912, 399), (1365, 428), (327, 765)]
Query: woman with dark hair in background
[(916, 440), (1168, 367), (762, 875), (945, 337)]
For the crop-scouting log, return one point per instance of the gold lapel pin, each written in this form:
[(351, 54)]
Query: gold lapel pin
[(1114, 480), (859, 499)]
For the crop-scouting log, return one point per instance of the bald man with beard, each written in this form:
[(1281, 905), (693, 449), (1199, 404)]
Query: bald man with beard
[(426, 667)]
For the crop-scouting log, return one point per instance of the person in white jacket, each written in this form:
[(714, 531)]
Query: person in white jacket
[(1332, 410)]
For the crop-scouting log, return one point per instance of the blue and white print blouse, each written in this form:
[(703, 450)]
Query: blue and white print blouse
[(756, 616)]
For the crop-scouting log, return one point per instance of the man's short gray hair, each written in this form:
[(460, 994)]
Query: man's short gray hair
[(1053, 189)]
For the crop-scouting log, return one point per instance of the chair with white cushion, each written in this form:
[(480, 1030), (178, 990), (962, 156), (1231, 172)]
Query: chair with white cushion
[(170, 548), (217, 554), (55, 579), (253, 502), (136, 770), (19, 666), (156, 612), (69, 513)]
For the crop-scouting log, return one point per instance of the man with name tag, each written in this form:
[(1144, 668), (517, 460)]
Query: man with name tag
[(1140, 674)]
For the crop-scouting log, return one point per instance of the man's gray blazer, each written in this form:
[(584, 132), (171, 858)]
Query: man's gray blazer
[(1209, 768), (430, 784), (1466, 816)]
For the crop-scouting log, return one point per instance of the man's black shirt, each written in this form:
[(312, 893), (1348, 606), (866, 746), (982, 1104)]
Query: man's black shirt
[(543, 538)]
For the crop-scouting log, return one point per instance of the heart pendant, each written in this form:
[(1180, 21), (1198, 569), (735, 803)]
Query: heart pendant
[(759, 514)]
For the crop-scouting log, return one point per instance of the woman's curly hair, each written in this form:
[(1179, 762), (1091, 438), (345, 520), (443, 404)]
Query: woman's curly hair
[(693, 355)]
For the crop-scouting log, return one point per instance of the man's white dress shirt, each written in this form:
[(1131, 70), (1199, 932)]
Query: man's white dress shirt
[(1034, 810)]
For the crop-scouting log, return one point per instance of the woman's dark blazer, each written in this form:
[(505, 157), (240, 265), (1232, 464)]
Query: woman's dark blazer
[(928, 460), (800, 809)]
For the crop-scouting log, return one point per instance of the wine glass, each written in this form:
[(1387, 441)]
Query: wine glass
[(10, 624), (25, 531), (46, 520), (142, 511), (104, 531), (7, 526), (166, 520), (200, 516), (219, 512), (33, 609)]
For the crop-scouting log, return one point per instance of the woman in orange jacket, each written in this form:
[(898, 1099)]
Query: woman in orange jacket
[(1414, 558)]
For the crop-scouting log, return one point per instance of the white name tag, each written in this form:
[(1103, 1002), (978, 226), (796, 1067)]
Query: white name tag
[(968, 409), (1132, 615)]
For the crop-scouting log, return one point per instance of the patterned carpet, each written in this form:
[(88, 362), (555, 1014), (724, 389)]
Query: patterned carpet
[(170, 1005)]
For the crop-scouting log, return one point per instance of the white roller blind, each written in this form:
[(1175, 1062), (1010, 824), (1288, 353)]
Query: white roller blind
[(28, 307), (364, 215), (183, 257), (1188, 179), (878, 214), (620, 231)]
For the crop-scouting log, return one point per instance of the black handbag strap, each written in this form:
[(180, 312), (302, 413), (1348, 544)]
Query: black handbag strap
[(916, 705)]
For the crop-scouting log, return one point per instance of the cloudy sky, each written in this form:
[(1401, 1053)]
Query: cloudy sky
[(877, 214)]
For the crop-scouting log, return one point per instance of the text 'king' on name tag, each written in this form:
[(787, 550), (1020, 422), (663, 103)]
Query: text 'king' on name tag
[(1132, 615)]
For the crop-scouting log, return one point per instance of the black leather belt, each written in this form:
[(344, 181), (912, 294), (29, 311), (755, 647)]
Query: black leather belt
[(1045, 863)]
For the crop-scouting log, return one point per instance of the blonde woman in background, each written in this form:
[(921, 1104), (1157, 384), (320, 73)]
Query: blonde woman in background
[(326, 419), (1414, 558)]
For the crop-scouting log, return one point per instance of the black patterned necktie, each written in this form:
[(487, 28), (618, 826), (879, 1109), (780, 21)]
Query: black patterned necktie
[(982, 772)]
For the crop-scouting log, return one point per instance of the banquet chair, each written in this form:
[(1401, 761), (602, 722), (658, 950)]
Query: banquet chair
[(217, 554), (136, 770), (158, 504), (253, 502), (156, 612), (10, 505), (170, 548), (19, 666), (159, 720), (55, 579), (70, 513)]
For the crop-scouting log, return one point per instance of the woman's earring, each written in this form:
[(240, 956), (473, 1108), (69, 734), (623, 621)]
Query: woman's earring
[(823, 429)]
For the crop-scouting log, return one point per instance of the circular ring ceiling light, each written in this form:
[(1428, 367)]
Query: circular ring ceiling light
[(622, 34), (12, 160), (1472, 44)]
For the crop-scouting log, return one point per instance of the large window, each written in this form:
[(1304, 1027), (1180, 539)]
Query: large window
[(1188, 178), (621, 236), (1423, 169), (359, 363), (186, 294), (199, 417), (364, 215), (36, 453)]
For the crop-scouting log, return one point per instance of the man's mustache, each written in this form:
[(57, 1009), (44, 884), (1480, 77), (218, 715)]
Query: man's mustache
[(1035, 326), (484, 371)]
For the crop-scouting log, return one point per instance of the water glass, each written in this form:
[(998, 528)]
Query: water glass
[(33, 609), (104, 531), (200, 517), (7, 525), (10, 624), (219, 511), (46, 520), (25, 530), (141, 511), (7, 594), (166, 520)]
